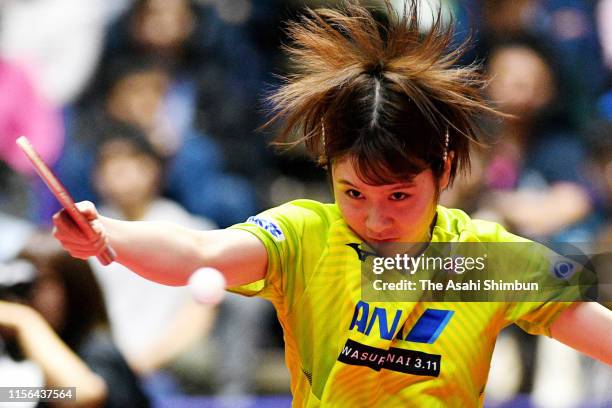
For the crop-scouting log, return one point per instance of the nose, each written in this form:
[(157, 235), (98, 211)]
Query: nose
[(377, 221)]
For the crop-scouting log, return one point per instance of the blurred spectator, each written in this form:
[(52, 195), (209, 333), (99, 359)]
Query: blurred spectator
[(157, 326), (600, 172), (60, 41), (148, 319), (194, 176), (567, 27), (215, 73), (24, 111), (220, 57), (54, 316), (531, 180), (534, 169)]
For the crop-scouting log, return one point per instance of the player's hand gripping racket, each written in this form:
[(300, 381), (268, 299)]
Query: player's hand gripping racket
[(108, 255)]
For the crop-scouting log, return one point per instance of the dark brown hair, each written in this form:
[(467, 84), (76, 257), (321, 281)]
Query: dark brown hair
[(85, 308), (378, 91)]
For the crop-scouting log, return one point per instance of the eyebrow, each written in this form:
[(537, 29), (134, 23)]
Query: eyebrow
[(397, 186)]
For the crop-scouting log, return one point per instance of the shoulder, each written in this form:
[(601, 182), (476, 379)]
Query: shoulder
[(293, 226), (299, 215), (454, 224)]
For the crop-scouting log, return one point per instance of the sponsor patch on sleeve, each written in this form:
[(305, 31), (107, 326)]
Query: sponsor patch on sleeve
[(269, 226)]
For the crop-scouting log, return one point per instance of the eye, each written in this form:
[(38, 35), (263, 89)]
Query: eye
[(354, 194), (398, 196)]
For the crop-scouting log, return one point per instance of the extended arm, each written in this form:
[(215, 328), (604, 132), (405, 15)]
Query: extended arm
[(586, 327), (164, 252)]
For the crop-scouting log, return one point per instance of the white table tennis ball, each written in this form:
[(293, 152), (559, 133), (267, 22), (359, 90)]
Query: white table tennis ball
[(207, 286)]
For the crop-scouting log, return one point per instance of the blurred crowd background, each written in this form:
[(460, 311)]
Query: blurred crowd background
[(151, 109)]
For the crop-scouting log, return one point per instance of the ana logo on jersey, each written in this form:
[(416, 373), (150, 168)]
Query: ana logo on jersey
[(427, 328), (269, 226)]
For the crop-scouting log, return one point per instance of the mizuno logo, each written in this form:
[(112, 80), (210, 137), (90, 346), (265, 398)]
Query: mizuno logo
[(361, 254)]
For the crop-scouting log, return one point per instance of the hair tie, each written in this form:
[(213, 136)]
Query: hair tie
[(323, 135), (446, 143)]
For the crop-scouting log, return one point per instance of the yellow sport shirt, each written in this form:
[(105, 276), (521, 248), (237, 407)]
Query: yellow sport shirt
[(346, 353)]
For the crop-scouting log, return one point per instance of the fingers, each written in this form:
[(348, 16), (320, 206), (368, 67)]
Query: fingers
[(83, 248), (72, 238), (88, 246), (66, 228), (88, 209)]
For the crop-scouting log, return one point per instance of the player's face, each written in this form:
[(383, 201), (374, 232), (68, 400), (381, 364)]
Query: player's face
[(382, 214)]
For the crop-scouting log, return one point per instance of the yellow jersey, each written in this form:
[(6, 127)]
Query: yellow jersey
[(344, 352)]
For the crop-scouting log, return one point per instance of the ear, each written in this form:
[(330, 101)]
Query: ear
[(445, 179)]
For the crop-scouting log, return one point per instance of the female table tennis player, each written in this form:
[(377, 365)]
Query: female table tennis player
[(391, 116)]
